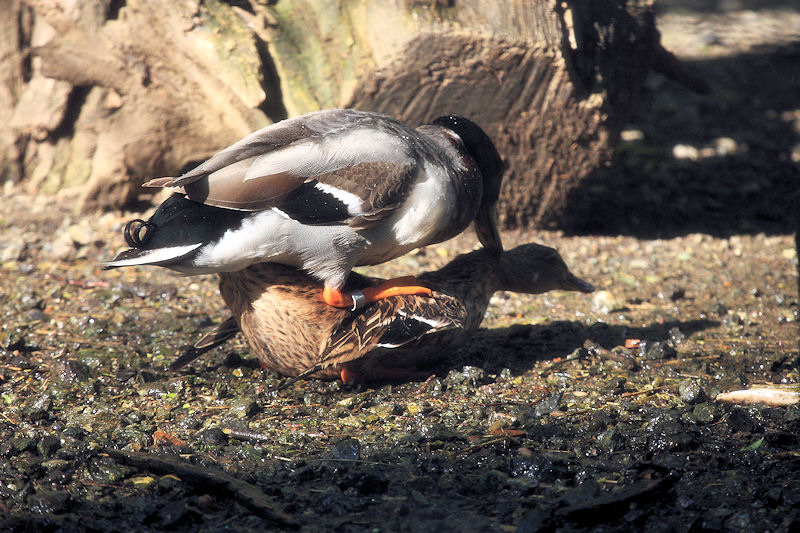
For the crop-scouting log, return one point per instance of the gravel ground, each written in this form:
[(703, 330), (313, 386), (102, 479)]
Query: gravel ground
[(568, 412)]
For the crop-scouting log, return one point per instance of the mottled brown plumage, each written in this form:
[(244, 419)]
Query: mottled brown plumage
[(293, 332)]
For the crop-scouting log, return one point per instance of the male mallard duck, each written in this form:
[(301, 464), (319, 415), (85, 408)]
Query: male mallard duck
[(325, 192), (294, 333)]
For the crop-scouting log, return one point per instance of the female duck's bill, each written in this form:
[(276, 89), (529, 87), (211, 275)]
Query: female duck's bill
[(325, 192)]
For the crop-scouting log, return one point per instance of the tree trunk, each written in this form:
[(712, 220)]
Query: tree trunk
[(118, 92)]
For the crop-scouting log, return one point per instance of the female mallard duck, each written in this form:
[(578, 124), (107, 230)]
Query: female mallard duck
[(325, 192), (295, 334)]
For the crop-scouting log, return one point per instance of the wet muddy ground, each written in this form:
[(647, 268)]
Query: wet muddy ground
[(534, 426), (567, 412)]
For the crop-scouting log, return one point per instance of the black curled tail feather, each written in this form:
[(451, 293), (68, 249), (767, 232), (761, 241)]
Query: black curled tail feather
[(138, 232)]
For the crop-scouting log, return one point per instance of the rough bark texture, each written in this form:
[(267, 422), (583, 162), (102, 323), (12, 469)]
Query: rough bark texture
[(106, 94), (13, 75), (551, 83), (119, 91), (548, 136)]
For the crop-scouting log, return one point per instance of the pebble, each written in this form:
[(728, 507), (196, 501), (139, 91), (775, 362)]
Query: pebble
[(348, 449), (205, 501), (609, 440), (74, 432), (246, 452), (56, 464), (434, 387), (46, 502), (352, 421), (348, 402), (725, 146), (606, 302), (498, 421), (62, 248), (739, 419), (20, 444), (690, 391), (655, 350), (213, 436), (740, 521), (535, 521), (11, 249), (469, 377), (435, 431), (684, 151), (705, 412), (545, 407), (708, 38), (631, 135), (40, 410), (104, 472), (48, 445), (669, 435), (80, 234), (676, 336), (244, 407), (68, 371), (677, 294)]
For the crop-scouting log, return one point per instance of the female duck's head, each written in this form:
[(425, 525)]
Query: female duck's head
[(534, 269)]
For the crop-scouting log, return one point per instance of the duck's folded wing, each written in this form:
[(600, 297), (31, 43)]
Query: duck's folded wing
[(335, 166), (266, 140), (358, 195), (421, 317), (393, 323)]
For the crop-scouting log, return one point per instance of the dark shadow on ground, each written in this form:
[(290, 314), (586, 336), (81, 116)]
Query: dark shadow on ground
[(716, 6), (518, 347), (731, 188)]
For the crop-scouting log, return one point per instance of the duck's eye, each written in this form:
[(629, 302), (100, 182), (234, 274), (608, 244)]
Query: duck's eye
[(137, 232)]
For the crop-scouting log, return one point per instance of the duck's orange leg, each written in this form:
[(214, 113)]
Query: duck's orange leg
[(348, 376), (380, 373), (388, 288)]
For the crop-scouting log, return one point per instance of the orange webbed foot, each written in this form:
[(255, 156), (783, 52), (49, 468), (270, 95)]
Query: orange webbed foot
[(348, 376), (386, 289)]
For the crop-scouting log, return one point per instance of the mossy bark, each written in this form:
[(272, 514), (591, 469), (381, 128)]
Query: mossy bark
[(116, 92)]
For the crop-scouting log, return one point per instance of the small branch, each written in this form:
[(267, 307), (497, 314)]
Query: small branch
[(771, 397), (611, 506), (209, 479), (595, 349), (247, 435), (646, 391), (470, 449)]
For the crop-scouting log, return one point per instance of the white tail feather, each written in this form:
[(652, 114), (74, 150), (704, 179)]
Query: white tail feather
[(158, 255)]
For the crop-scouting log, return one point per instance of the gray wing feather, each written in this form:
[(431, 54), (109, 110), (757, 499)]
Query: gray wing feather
[(310, 128), (367, 162)]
